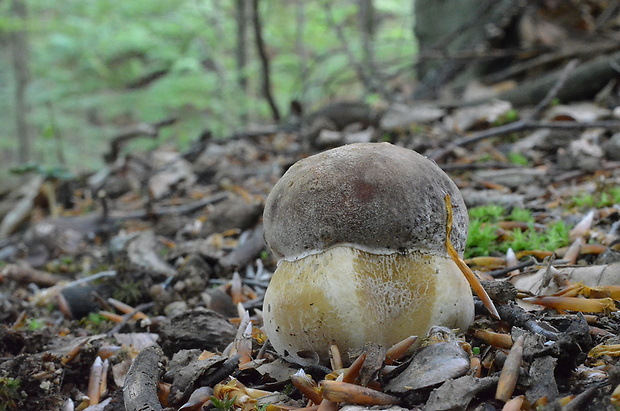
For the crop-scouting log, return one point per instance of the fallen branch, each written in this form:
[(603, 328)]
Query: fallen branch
[(133, 131), (587, 80), (530, 121), (140, 388)]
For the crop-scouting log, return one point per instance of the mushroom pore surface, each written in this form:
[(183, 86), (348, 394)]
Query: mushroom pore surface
[(350, 297), (375, 197)]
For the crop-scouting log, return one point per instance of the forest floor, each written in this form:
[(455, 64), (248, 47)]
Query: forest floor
[(135, 286)]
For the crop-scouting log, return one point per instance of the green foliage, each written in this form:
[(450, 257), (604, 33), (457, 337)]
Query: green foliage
[(34, 324), (510, 116), (85, 55), (226, 404), (9, 393), (95, 318), (606, 197), (518, 159), (288, 389), (484, 239), (94, 322)]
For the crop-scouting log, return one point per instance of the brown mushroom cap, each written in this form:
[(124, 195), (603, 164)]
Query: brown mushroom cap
[(376, 197)]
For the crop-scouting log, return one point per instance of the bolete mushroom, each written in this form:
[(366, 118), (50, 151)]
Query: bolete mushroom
[(360, 233)]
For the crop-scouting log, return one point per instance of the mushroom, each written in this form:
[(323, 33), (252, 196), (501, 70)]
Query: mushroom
[(360, 233)]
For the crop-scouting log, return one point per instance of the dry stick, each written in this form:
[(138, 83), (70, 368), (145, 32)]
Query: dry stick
[(513, 314), (129, 316), (503, 271), (140, 387), (517, 125), (467, 272)]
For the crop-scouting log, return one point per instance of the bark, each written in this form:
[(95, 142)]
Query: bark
[(367, 30), (453, 27)]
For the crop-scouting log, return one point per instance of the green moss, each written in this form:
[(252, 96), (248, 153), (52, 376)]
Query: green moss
[(484, 238), (510, 116), (518, 158), (9, 393), (582, 200), (605, 197), (521, 214), (488, 213), (129, 292), (95, 322)]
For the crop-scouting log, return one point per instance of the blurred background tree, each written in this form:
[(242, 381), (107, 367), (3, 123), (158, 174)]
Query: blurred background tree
[(73, 73)]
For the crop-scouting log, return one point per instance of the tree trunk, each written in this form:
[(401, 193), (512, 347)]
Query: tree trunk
[(20, 54), (450, 27), (300, 47), (241, 55), (367, 29)]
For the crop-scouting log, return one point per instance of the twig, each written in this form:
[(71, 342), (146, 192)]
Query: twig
[(521, 126), (368, 81), (129, 316), (546, 102), (262, 53), (503, 271), (133, 131), (515, 315)]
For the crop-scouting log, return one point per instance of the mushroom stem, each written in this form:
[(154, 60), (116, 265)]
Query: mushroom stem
[(467, 272)]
